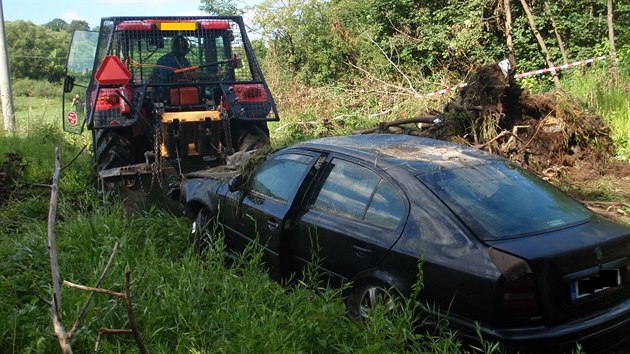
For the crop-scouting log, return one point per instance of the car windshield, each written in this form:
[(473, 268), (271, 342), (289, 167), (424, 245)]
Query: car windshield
[(499, 201)]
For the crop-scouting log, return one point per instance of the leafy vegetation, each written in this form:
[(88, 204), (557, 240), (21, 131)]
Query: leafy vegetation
[(333, 66)]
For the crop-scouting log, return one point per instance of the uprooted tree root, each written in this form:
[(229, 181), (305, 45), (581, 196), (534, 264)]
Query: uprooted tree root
[(549, 134)]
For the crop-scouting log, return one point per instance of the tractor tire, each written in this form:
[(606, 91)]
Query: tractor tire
[(111, 150), (253, 138)]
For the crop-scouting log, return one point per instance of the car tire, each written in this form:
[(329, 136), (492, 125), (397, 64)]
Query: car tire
[(112, 149), (202, 232), (365, 297)]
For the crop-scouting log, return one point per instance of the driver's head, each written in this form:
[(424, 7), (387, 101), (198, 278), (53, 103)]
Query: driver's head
[(180, 45)]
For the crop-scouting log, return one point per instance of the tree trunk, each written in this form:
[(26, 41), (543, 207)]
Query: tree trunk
[(611, 31), (563, 51), (507, 8), (541, 42)]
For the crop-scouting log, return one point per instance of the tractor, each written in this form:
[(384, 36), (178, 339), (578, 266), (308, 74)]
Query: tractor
[(164, 96)]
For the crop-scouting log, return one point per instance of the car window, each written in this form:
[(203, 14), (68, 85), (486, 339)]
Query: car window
[(386, 208), (279, 175), (503, 201), (351, 190)]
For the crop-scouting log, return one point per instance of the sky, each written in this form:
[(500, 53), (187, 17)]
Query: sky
[(44, 11)]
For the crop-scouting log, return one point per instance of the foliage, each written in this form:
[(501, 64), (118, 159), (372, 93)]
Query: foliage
[(59, 25), (35, 88), (606, 91), (219, 7), (36, 52), (325, 41)]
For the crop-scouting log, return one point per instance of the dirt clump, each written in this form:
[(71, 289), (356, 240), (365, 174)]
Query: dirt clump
[(550, 134), (542, 132)]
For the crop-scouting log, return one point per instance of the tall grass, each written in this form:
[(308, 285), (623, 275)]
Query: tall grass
[(605, 90), (185, 303)]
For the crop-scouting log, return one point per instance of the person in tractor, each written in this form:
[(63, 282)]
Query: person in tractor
[(176, 59)]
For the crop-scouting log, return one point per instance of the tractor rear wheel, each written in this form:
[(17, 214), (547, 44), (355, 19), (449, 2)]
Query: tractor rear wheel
[(111, 149)]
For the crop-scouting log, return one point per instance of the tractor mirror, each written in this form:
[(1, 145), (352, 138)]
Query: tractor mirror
[(68, 83)]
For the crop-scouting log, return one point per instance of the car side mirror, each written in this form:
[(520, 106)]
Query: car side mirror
[(68, 83), (236, 183)]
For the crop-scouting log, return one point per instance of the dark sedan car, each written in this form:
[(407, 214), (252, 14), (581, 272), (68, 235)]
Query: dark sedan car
[(500, 247)]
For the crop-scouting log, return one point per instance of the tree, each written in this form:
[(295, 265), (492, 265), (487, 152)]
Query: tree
[(219, 7), (36, 52)]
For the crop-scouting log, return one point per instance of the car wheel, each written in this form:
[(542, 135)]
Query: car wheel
[(202, 231), (365, 297)]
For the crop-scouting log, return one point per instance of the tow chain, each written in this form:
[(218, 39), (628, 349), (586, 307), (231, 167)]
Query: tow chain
[(227, 132), (156, 166)]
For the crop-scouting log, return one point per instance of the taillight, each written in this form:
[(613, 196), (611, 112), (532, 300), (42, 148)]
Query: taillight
[(250, 92), (519, 291), (110, 99), (519, 298)]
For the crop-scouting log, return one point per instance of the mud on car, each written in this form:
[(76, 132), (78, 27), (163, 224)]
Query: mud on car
[(500, 247)]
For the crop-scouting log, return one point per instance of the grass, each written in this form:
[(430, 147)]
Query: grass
[(605, 92), (185, 303)]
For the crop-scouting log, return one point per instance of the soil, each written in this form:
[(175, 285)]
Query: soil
[(550, 134), (11, 170)]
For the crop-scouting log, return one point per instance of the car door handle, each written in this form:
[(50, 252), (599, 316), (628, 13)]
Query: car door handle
[(272, 224), (361, 251)]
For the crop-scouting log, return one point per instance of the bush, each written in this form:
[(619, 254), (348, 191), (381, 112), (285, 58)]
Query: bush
[(35, 88)]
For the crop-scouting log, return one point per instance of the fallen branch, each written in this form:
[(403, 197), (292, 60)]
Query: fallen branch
[(60, 332), (59, 329), (104, 331), (77, 323), (94, 290), (132, 317), (385, 125)]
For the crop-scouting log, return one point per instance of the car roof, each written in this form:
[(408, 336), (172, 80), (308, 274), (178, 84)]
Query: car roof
[(417, 154)]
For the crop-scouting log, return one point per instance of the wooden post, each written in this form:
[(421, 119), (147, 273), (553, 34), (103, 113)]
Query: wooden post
[(541, 42)]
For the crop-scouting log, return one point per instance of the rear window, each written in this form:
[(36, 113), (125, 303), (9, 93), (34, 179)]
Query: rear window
[(498, 200)]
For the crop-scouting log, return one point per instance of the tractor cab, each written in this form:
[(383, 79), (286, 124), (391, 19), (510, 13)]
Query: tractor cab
[(180, 92)]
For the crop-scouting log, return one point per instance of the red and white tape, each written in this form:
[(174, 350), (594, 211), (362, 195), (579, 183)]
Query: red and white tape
[(559, 67)]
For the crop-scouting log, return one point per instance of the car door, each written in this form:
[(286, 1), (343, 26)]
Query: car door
[(261, 215), (354, 216)]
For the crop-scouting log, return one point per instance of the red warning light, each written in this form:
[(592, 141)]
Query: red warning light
[(112, 71)]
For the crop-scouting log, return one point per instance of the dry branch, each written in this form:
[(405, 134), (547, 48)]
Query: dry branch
[(59, 329), (385, 125), (64, 337), (94, 290), (77, 323)]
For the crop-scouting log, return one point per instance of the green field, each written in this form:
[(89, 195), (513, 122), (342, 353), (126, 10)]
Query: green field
[(185, 303)]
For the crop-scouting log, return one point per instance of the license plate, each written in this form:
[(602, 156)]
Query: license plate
[(605, 279)]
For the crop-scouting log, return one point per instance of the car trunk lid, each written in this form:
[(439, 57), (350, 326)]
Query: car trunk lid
[(578, 270)]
